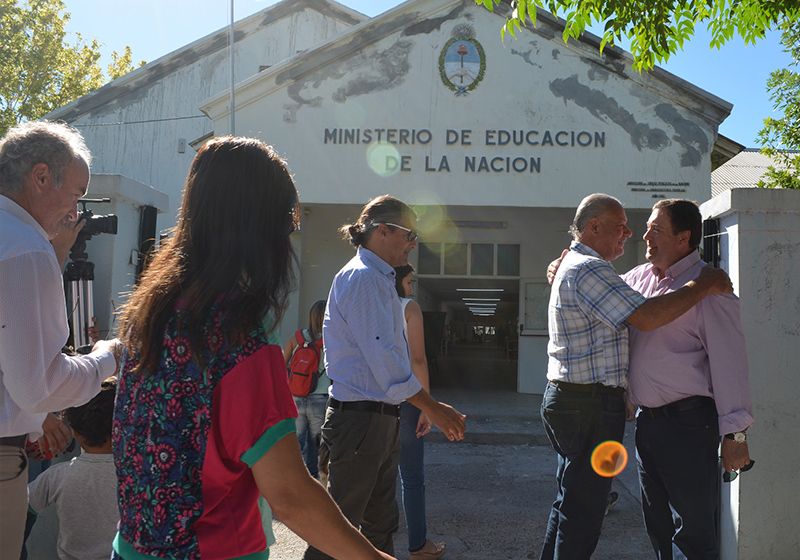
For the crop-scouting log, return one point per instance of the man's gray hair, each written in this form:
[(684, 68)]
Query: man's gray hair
[(34, 142), (593, 206)]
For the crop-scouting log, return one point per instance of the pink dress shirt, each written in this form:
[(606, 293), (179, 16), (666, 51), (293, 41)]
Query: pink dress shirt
[(702, 353)]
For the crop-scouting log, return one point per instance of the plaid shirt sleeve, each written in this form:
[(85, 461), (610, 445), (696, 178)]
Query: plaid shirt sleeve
[(602, 294)]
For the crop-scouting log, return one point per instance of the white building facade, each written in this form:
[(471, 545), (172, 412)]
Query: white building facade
[(493, 143)]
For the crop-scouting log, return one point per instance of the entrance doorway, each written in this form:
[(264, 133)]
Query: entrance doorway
[(475, 323)]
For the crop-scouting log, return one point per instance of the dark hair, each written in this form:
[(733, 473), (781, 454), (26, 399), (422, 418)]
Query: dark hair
[(400, 272), (379, 210), (231, 244), (684, 215), (315, 317), (93, 420), (593, 206)]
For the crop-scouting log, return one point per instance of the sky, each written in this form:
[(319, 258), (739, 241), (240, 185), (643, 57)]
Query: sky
[(153, 28)]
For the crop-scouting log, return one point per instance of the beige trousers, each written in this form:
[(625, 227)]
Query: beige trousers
[(13, 499)]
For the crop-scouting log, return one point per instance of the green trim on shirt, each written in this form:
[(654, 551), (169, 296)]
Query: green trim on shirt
[(127, 552), (268, 439)]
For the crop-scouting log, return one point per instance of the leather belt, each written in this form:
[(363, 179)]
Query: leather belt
[(366, 406), (671, 409), (593, 388), (14, 441)]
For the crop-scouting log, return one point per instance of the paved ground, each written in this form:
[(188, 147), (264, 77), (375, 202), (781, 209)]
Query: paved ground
[(488, 496)]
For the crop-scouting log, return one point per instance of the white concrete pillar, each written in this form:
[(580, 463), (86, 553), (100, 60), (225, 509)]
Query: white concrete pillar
[(761, 251)]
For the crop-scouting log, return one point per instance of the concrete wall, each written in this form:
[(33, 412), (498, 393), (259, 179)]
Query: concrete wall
[(760, 245)]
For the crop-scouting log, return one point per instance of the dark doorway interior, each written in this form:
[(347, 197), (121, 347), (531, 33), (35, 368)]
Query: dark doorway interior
[(467, 349)]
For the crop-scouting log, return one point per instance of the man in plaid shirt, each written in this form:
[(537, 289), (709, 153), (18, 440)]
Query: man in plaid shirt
[(584, 401)]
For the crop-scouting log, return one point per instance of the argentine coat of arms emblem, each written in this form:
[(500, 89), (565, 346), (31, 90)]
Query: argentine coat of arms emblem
[(462, 62)]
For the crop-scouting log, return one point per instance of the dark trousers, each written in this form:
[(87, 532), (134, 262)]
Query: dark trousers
[(679, 477), (362, 473), (576, 423)]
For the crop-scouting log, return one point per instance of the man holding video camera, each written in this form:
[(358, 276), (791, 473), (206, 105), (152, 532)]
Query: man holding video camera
[(44, 170)]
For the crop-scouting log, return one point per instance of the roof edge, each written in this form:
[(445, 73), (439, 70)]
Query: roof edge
[(213, 42)]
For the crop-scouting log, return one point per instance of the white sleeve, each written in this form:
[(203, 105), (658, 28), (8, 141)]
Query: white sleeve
[(33, 329)]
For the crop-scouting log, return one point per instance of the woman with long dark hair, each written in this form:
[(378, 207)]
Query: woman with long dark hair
[(414, 425), (204, 419)]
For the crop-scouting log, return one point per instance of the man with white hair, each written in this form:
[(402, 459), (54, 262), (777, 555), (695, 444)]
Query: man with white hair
[(44, 170)]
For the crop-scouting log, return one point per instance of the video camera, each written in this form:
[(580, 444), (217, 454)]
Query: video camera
[(79, 273), (95, 225)]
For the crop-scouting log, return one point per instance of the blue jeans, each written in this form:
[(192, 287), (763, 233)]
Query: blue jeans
[(412, 477), (679, 477), (576, 423), (310, 416)]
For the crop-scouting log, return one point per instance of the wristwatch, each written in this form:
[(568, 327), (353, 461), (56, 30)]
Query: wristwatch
[(738, 437)]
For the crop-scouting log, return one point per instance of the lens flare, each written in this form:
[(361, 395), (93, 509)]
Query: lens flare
[(384, 159), (609, 458)]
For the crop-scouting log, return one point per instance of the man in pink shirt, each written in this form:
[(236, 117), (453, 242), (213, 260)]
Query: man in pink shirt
[(689, 379)]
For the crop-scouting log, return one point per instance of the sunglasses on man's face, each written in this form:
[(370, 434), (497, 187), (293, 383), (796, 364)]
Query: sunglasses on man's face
[(410, 236), (729, 476)]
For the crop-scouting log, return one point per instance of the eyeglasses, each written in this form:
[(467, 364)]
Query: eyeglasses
[(729, 476), (410, 236)]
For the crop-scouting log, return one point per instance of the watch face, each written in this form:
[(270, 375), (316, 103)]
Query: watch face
[(739, 437)]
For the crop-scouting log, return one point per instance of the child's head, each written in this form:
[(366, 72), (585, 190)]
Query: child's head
[(92, 421)]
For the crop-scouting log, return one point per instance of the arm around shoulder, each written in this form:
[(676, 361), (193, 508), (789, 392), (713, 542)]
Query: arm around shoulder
[(661, 310)]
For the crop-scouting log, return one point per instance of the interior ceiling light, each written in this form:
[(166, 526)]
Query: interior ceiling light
[(471, 299), (476, 224), (476, 304), (480, 290)]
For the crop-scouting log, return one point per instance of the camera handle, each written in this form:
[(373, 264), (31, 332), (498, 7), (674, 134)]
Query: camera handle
[(79, 276)]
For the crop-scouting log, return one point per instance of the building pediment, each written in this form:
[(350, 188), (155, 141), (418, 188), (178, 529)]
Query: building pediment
[(429, 93)]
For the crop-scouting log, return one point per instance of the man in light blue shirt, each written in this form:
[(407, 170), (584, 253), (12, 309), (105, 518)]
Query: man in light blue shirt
[(366, 357)]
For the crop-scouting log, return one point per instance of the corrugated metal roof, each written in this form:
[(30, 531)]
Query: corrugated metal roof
[(745, 169)]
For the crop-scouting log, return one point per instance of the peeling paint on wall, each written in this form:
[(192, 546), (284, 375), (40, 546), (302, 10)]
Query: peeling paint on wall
[(687, 134), (604, 107), (605, 63), (434, 24), (526, 55), (389, 69), (597, 74), (380, 71)]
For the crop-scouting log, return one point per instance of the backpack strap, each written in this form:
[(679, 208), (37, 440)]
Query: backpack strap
[(301, 340)]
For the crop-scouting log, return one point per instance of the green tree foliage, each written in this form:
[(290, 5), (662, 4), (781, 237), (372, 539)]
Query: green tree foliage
[(121, 64), (781, 137), (39, 70), (657, 29)]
